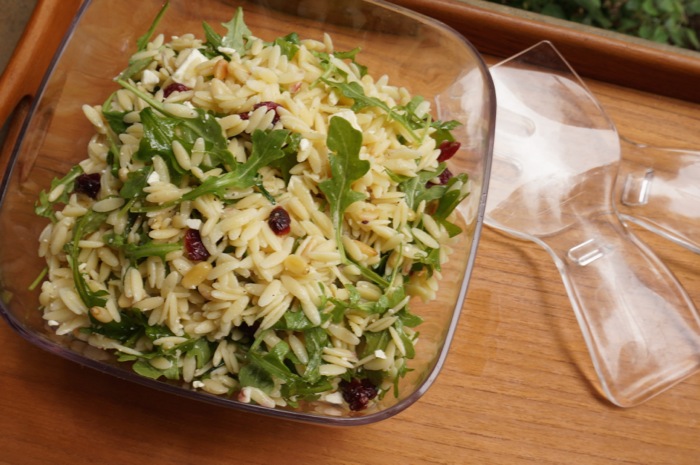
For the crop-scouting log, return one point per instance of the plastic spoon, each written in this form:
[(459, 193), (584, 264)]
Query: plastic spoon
[(556, 158)]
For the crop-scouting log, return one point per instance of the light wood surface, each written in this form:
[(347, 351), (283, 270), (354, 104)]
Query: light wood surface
[(516, 388)]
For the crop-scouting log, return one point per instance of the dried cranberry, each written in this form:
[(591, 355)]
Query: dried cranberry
[(357, 393), (194, 247), (279, 221), (443, 178), (448, 149), (88, 184), (174, 87), (270, 106)]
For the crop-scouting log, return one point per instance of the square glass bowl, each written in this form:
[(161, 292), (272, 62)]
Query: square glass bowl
[(415, 52)]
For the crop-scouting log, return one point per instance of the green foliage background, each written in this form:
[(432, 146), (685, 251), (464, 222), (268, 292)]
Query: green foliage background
[(675, 22)]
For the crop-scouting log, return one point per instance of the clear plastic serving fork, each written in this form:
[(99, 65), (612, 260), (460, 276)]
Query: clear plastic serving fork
[(556, 162)]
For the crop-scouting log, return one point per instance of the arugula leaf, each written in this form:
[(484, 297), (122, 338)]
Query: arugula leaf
[(255, 376), (330, 69), (451, 198), (237, 33), (416, 188), (158, 136), (213, 41), (130, 327), (115, 119), (136, 252), (156, 331), (43, 207), (289, 160), (443, 131), (391, 298), (136, 66), (346, 168), (294, 320), (352, 55), (289, 44), (273, 362), (375, 341), (135, 182), (315, 340), (354, 91), (409, 319), (166, 128), (145, 369), (161, 131), (266, 148), (200, 349), (235, 38), (142, 41), (87, 224)]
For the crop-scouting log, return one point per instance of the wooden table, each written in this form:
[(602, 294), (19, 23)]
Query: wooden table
[(516, 388)]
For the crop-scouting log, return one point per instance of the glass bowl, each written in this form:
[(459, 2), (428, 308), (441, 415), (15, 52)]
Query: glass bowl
[(415, 52)]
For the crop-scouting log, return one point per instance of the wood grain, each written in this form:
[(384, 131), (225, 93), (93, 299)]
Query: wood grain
[(34, 52), (516, 389)]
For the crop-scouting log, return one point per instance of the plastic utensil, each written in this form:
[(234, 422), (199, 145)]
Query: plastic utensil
[(659, 189), (556, 157)]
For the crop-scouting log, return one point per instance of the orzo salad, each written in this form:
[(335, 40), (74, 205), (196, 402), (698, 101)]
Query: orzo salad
[(252, 219)]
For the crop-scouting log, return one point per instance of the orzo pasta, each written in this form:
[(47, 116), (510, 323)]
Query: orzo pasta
[(252, 218)]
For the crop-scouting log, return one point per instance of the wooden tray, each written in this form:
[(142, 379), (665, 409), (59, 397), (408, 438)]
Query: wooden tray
[(515, 389), (614, 58)]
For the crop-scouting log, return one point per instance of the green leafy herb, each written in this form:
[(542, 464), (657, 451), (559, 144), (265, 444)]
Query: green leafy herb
[(289, 44), (255, 376), (330, 69), (161, 130), (289, 160), (235, 38), (143, 41), (273, 362), (44, 207), (135, 182), (87, 224), (354, 91), (136, 66), (266, 148), (145, 369), (346, 168), (129, 327), (135, 252), (443, 131), (375, 341), (150, 249), (115, 119), (315, 340), (453, 195)]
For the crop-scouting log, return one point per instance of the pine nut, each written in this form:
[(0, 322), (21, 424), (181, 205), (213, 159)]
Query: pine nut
[(296, 265), (196, 275), (221, 69)]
